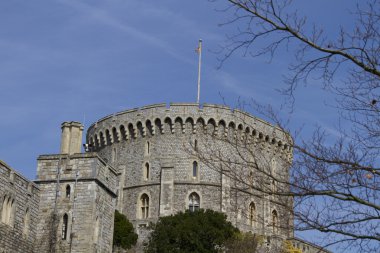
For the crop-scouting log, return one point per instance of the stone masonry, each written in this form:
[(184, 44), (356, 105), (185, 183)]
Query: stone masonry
[(78, 197), (150, 162), (19, 202), (89, 206), (160, 140)]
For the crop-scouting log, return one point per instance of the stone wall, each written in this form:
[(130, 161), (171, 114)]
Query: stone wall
[(142, 164), (89, 205), (19, 199), (165, 139)]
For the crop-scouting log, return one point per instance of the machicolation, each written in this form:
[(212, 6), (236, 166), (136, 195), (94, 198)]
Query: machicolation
[(183, 118)]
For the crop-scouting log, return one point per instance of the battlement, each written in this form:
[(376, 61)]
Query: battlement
[(186, 118), (82, 167), (15, 178)]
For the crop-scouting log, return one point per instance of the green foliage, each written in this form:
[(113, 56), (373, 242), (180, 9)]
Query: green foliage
[(243, 243), (202, 231), (123, 233)]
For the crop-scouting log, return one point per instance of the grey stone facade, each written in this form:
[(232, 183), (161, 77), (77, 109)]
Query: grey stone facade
[(163, 138), (148, 162), (86, 194), (19, 202)]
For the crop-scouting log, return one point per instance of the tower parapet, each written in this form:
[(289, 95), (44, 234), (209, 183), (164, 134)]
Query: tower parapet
[(182, 118)]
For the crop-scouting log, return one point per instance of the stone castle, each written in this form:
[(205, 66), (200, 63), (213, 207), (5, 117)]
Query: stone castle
[(149, 162)]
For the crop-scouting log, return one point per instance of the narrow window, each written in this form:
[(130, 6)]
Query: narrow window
[(273, 186), (273, 166), (26, 222), (68, 191), (274, 221), (113, 158), (147, 147), (65, 226), (195, 169), (273, 181), (146, 172), (8, 208), (144, 202), (194, 202), (196, 145), (250, 178), (4, 210), (11, 212), (96, 230), (252, 214)]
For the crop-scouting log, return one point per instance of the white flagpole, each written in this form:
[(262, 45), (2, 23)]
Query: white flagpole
[(199, 50)]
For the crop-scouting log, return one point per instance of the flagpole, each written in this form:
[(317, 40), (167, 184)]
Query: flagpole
[(199, 50)]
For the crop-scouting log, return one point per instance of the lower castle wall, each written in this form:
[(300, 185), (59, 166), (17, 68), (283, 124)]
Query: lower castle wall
[(12, 241), (17, 227)]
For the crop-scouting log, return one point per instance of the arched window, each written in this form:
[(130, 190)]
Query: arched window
[(274, 221), (252, 214), (195, 169), (194, 203), (144, 203), (65, 226), (146, 171), (68, 191), (26, 222)]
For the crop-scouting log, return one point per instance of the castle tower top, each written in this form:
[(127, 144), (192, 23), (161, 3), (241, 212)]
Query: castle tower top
[(71, 137)]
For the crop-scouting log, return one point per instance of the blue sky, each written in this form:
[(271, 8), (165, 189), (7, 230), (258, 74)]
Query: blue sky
[(64, 60)]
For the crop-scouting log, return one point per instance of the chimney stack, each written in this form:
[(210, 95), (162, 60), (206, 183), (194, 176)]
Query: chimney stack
[(71, 138)]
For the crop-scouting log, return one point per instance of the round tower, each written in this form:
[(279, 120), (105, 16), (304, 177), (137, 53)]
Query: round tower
[(164, 156)]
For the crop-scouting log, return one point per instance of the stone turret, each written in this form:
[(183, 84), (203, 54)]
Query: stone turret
[(71, 138)]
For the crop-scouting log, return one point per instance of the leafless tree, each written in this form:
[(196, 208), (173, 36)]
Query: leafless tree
[(335, 183)]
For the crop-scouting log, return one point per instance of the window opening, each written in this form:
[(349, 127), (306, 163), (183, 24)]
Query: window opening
[(274, 221), (10, 211), (147, 147), (68, 191), (252, 214), (26, 222), (113, 158), (4, 210), (64, 226), (195, 169), (147, 171), (144, 206), (96, 230), (194, 202), (250, 178)]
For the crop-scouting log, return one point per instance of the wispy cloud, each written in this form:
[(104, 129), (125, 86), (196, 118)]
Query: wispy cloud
[(103, 17), (240, 87)]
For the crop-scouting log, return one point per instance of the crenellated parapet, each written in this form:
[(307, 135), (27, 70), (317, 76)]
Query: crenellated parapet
[(189, 118)]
